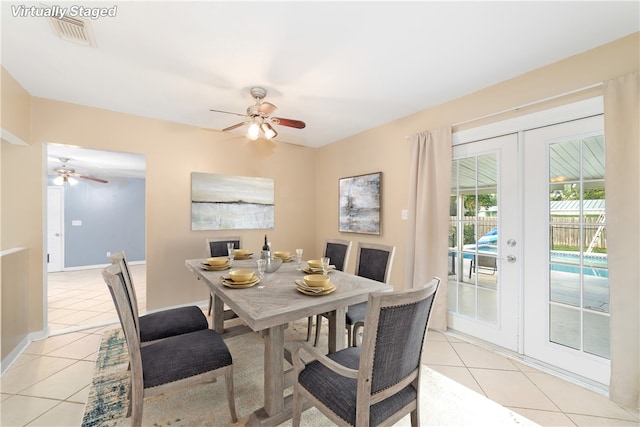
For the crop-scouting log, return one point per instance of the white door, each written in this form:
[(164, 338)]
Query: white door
[(566, 291), (483, 285), (55, 228)]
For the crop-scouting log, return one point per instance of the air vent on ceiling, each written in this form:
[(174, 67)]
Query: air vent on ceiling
[(73, 30)]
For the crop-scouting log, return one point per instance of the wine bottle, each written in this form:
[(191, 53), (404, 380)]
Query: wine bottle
[(266, 251)]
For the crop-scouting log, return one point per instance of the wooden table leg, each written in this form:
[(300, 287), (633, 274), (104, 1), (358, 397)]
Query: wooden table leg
[(337, 328), (277, 408), (274, 370), (218, 315)]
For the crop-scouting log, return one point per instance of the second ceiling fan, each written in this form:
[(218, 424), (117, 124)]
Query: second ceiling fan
[(259, 118)]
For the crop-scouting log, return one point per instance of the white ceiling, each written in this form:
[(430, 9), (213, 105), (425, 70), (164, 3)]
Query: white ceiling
[(341, 67)]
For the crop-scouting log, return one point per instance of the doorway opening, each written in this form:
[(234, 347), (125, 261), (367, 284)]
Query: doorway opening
[(87, 219)]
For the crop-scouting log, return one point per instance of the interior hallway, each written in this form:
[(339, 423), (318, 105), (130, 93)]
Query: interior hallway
[(49, 383)]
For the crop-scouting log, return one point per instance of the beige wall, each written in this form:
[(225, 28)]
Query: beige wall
[(20, 225), (173, 151), (15, 267), (15, 107)]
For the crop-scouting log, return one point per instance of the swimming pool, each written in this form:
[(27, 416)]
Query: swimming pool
[(561, 261), (569, 262)]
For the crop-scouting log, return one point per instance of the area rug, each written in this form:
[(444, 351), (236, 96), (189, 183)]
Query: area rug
[(444, 402)]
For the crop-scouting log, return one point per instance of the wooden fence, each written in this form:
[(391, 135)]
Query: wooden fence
[(565, 231)]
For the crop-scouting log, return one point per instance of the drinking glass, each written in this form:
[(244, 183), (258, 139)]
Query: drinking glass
[(325, 265), (262, 266), (299, 258), (230, 251)]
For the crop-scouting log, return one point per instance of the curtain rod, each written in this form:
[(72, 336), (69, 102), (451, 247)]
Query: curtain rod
[(530, 104)]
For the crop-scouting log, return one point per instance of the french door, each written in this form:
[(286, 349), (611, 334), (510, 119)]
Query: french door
[(527, 244), (566, 293), (483, 295)]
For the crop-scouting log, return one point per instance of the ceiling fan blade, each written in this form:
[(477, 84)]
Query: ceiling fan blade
[(237, 125), (289, 122), (267, 109), (228, 112), (90, 178)]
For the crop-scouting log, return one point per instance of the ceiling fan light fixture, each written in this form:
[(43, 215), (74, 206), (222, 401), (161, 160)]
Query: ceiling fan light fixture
[(59, 180), (269, 131), (254, 131), (71, 180)]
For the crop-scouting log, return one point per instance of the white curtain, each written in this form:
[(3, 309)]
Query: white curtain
[(622, 115), (427, 242)]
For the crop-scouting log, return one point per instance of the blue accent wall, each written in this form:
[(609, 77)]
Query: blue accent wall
[(112, 218)]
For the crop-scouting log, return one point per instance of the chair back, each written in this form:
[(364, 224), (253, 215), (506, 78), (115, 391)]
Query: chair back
[(374, 261), (121, 259), (217, 246), (393, 339), (114, 277), (338, 251)]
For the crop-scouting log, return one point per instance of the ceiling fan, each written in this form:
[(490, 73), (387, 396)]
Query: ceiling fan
[(68, 174), (259, 118)]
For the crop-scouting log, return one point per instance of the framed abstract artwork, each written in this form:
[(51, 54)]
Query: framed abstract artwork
[(360, 204), (227, 202)]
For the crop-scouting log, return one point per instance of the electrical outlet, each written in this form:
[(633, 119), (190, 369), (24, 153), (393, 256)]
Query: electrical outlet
[(405, 214), (108, 254)]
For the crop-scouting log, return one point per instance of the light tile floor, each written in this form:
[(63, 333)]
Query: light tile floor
[(48, 384)]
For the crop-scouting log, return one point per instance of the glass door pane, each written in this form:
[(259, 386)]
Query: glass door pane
[(578, 279)]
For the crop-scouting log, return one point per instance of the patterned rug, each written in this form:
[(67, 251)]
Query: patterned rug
[(444, 402)]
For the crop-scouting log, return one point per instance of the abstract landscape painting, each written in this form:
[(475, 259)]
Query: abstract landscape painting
[(360, 204), (226, 202)]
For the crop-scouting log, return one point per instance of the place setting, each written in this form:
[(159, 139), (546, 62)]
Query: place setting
[(315, 285), (241, 254), (319, 266), (285, 256), (240, 279), (216, 264)]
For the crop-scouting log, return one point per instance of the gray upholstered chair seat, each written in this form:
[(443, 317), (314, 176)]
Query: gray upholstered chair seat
[(183, 356), (339, 393), (175, 321)]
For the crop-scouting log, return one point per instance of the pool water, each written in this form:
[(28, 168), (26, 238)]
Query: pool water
[(562, 261)]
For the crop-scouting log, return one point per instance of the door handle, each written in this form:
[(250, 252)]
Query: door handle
[(57, 234)]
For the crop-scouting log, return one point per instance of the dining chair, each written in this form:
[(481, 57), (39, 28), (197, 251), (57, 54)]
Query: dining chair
[(165, 365), (217, 246), (164, 323), (373, 261), (379, 382), (338, 251)]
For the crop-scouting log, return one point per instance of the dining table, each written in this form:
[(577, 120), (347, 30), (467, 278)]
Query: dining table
[(269, 306)]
